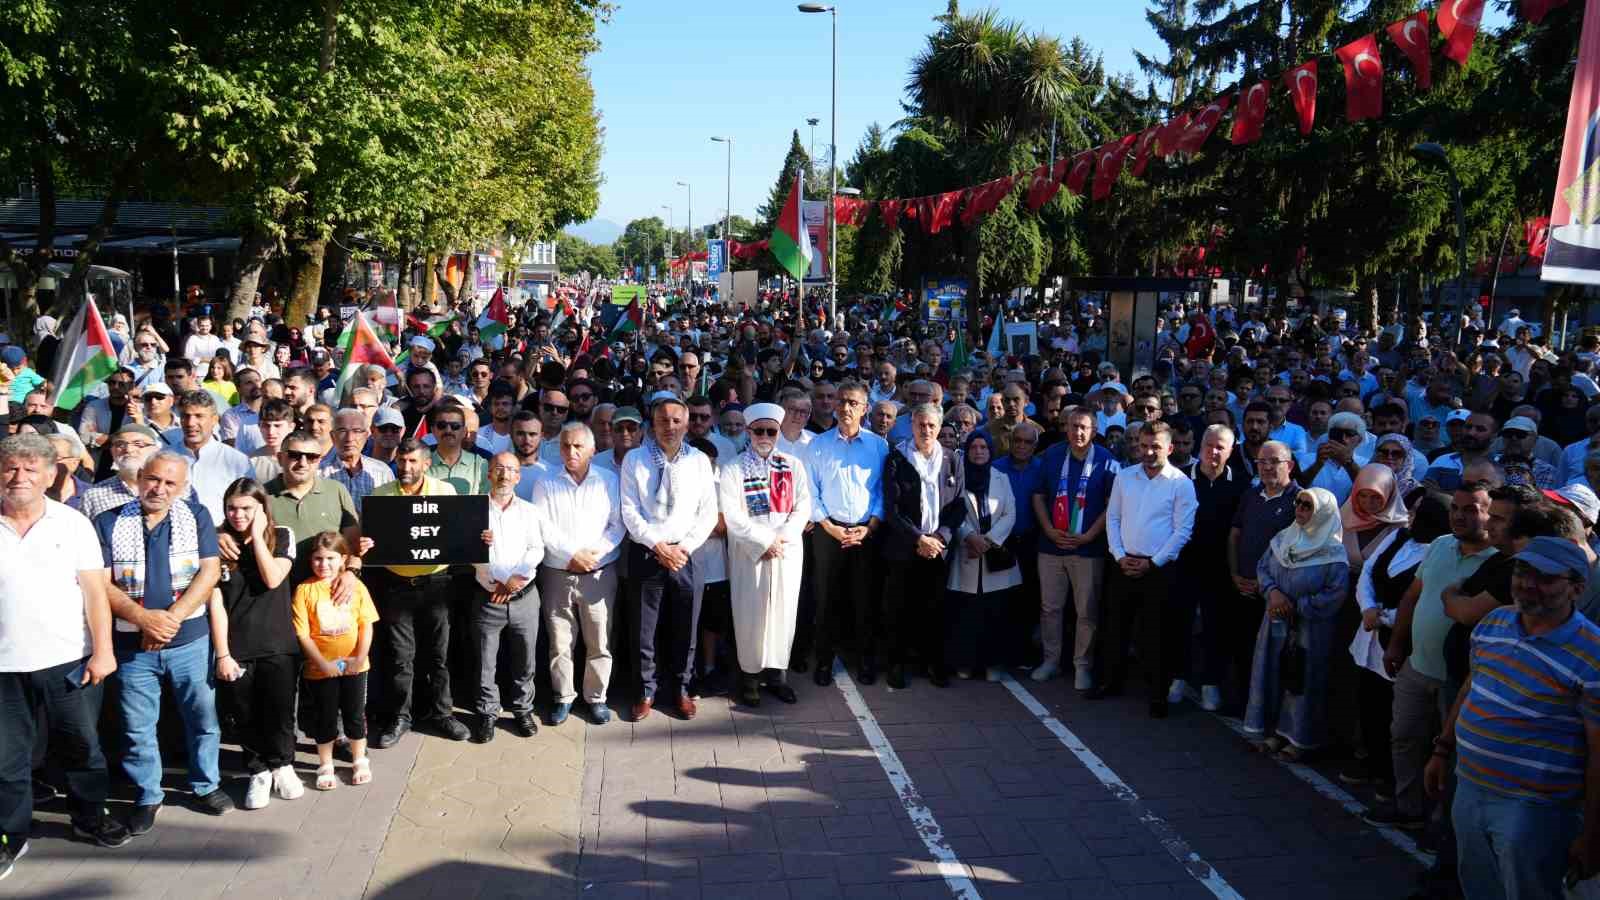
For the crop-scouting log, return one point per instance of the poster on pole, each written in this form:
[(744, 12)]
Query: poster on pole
[(624, 294), (944, 298), (1021, 338), (815, 214), (715, 254), (1574, 252), (485, 274)]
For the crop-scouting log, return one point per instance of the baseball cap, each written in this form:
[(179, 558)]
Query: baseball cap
[(319, 355), (1580, 498), (388, 415), (139, 429), (627, 414), (1555, 556), (1519, 423), (12, 355), (158, 387), (1111, 386), (1457, 415), (422, 342)]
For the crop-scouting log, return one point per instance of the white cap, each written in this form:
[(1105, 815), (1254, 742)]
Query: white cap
[(757, 411), (422, 342)]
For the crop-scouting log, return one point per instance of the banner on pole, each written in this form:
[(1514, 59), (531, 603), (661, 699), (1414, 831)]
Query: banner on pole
[(815, 215), (1574, 251), (624, 294), (716, 254)]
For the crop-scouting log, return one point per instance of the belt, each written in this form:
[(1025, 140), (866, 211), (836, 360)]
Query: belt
[(849, 524), (416, 581)]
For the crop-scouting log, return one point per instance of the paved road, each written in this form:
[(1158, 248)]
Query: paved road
[(970, 791)]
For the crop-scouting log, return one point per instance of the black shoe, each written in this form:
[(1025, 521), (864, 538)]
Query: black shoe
[(799, 665), (783, 692), (43, 792), (482, 731), (1158, 709), (215, 803), (143, 819), (897, 677), (1391, 817), (1355, 773), (867, 675), (938, 677), (822, 676), (749, 691), (525, 725), (392, 734), (101, 829), (450, 728), (696, 687), (11, 851)]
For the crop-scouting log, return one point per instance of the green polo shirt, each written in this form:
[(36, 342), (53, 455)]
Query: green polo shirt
[(1443, 566), (470, 474), (326, 507)]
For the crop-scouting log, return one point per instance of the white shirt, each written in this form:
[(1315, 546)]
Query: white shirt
[(42, 622), (795, 448), (518, 543), (694, 512), (234, 421), (1151, 517), (585, 516), (928, 468), (200, 349), (1407, 556), (216, 467)]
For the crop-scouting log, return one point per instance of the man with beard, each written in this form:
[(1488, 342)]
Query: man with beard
[(130, 446), (526, 439), (1472, 446), (237, 427), (102, 416), (213, 465), (554, 407), (626, 431), (502, 403), (422, 388), (702, 419)]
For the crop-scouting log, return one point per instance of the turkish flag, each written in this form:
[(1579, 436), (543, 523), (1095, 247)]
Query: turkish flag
[(938, 211), (1108, 165), (1205, 121), (1046, 182), (1078, 172), (1411, 36), (1302, 84), (1535, 10), (1142, 147), (1168, 134), (982, 199), (890, 211), (1249, 115), (1458, 22), (849, 210), (1363, 78), (1537, 234)]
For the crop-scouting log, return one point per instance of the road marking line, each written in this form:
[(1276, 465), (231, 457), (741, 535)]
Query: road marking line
[(1198, 868), (951, 867), (1404, 842)]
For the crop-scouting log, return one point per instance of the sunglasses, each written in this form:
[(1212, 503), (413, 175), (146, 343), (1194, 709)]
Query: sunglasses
[(763, 432), (1305, 504), (302, 455), (552, 408), (389, 428), (449, 426), (700, 417)]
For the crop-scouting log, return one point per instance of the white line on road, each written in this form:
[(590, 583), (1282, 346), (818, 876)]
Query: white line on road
[(954, 872), (1198, 868), (1333, 792)]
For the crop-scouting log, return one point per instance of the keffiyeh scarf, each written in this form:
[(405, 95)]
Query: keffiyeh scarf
[(128, 544), (768, 483)]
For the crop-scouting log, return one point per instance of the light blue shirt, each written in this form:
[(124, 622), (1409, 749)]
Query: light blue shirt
[(846, 476), (1572, 458), (1293, 435)]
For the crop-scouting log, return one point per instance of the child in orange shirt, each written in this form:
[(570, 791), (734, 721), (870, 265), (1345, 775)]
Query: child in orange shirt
[(336, 641)]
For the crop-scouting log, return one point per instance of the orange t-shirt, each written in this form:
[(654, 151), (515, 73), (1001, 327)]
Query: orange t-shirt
[(335, 630)]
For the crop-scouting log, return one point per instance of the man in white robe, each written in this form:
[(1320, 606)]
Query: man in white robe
[(766, 502)]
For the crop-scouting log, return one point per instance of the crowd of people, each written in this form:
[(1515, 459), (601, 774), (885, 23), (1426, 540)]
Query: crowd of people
[(1374, 547)]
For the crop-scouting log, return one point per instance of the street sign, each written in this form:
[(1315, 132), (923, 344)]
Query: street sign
[(425, 531)]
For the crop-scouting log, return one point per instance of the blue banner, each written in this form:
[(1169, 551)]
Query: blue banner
[(652, 271), (715, 254)]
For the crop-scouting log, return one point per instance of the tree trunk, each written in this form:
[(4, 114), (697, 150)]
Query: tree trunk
[(1367, 304), (32, 265), (447, 289), (1386, 303), (76, 290), (307, 257), (429, 289), (255, 250), (404, 290), (336, 264)]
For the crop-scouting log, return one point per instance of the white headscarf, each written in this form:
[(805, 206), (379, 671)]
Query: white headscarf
[(1319, 542)]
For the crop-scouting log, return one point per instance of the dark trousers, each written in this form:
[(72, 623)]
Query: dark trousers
[(914, 616), (1239, 618), (1207, 589), (507, 635), (1144, 603), (843, 587), (261, 704), (1015, 645), (975, 625), (1377, 710), (332, 700), (72, 711), (806, 613), (668, 608), (414, 636)]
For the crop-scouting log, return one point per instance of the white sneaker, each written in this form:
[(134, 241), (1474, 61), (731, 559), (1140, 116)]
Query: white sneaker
[(1176, 692), (1210, 697), (286, 781), (259, 793), (1083, 680), (1044, 671)]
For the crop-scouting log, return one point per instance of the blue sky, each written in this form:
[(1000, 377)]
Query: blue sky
[(669, 75)]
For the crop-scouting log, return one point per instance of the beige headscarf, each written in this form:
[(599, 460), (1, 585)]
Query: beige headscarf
[(1319, 542)]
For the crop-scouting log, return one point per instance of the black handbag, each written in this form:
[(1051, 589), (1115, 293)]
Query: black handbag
[(1292, 662), (999, 557)]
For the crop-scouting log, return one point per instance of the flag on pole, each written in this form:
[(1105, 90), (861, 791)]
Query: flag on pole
[(632, 319), (790, 244), (958, 353), (365, 350), (433, 327), (993, 349), (495, 320), (89, 358)]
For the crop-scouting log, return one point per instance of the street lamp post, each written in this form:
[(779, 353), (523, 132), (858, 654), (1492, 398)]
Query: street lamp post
[(811, 148), (727, 214), (688, 229), (1429, 152), (833, 170)]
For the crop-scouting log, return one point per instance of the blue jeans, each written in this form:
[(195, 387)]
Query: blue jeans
[(187, 670), (1510, 848)]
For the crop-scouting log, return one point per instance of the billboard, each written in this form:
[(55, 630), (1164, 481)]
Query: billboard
[(944, 298), (623, 294), (715, 255), (485, 274), (1574, 251), (815, 214)]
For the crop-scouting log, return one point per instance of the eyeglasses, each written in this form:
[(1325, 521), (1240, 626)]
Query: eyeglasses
[(302, 455), (763, 432), (449, 426), (553, 408), (1305, 504), (1269, 461)]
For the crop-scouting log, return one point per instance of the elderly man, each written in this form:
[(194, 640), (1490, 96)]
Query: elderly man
[(766, 501), (358, 473), (793, 436), (161, 558), (625, 436), (577, 579), (55, 649), (1203, 565), (130, 446), (1069, 502), (414, 614), (669, 506), (1333, 465), (213, 465), (881, 420), (600, 426), (1149, 519), (506, 608)]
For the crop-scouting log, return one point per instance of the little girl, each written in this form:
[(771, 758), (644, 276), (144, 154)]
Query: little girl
[(336, 640)]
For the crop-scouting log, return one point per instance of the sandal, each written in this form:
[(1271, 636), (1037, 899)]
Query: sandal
[(325, 778), (361, 771)]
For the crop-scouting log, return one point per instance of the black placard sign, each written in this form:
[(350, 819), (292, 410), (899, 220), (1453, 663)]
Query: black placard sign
[(425, 531)]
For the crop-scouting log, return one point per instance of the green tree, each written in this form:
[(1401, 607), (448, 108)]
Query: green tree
[(643, 242)]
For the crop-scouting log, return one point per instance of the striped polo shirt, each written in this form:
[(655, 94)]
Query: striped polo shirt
[(1520, 732)]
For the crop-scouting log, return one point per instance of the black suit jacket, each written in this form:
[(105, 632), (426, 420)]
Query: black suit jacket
[(902, 504)]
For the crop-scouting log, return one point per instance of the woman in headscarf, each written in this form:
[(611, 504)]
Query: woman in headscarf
[(765, 497), (981, 581), (1304, 576), (1394, 451), (1375, 508)]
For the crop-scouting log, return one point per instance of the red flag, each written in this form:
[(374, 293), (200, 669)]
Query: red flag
[(421, 431), (890, 211), (1206, 121), (983, 199), (1078, 172), (849, 210), (910, 209), (1302, 84), (1535, 10), (1169, 133), (939, 210), (1046, 182), (1249, 115), (1108, 165), (1363, 78), (1537, 233), (1458, 22), (1411, 36), (1142, 147)]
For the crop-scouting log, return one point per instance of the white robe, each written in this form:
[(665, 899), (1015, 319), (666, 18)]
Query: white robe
[(766, 593)]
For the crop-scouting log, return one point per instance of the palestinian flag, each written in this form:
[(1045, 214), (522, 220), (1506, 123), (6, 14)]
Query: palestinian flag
[(495, 320), (790, 243), (86, 358), (433, 327), (563, 313), (632, 319), (365, 349)]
